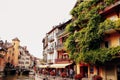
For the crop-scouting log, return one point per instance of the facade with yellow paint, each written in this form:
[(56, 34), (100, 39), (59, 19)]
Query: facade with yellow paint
[(110, 70), (16, 44), (10, 51)]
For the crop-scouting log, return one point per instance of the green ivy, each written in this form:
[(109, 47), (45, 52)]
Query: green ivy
[(100, 55), (84, 44)]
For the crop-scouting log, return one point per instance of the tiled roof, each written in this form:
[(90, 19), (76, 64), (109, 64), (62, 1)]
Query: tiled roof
[(8, 45)]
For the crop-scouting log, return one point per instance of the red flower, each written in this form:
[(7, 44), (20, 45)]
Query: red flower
[(52, 73), (97, 77), (63, 74), (78, 76)]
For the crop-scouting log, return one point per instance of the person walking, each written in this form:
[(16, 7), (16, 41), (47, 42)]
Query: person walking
[(71, 73)]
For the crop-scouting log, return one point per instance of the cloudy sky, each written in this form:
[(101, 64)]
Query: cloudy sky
[(30, 20)]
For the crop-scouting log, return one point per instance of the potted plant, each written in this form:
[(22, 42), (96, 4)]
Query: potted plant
[(63, 74), (78, 77), (52, 73), (97, 77)]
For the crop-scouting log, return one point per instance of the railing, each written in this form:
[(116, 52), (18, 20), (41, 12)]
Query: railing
[(60, 32), (62, 60), (44, 53), (59, 46), (50, 39), (50, 61), (50, 50)]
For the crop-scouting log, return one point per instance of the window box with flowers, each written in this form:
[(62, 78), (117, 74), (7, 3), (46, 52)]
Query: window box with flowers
[(63, 74), (78, 77)]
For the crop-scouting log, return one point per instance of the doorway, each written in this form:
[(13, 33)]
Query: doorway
[(118, 72), (84, 71)]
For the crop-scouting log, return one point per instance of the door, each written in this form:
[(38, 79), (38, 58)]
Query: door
[(118, 72)]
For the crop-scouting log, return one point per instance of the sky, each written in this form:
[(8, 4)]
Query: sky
[(30, 20)]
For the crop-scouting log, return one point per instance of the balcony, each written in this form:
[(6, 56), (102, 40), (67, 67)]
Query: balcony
[(51, 39), (50, 50), (44, 53), (50, 61), (59, 46), (67, 60), (60, 32)]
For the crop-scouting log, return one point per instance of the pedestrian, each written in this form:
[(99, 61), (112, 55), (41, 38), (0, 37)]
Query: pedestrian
[(71, 73)]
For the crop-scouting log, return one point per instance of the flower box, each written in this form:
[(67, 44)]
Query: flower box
[(63, 74), (52, 73), (78, 77), (97, 77)]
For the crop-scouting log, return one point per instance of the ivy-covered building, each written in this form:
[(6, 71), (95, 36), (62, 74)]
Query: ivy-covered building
[(94, 38)]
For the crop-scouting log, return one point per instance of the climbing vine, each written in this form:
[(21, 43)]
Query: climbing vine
[(101, 55), (84, 44)]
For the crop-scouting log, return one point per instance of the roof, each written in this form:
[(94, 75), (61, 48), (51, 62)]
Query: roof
[(16, 39), (59, 26), (52, 30), (64, 24), (8, 45), (3, 49)]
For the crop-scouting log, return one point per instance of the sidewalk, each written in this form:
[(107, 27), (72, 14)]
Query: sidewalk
[(47, 77)]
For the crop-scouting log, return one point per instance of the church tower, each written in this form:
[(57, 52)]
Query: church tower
[(16, 44)]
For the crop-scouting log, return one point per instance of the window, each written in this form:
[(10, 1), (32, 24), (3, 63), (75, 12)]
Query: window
[(10, 51), (27, 58), (27, 63), (107, 44), (8, 58), (12, 54)]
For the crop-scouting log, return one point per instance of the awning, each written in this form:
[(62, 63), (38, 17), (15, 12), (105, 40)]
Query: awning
[(59, 65), (42, 66)]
